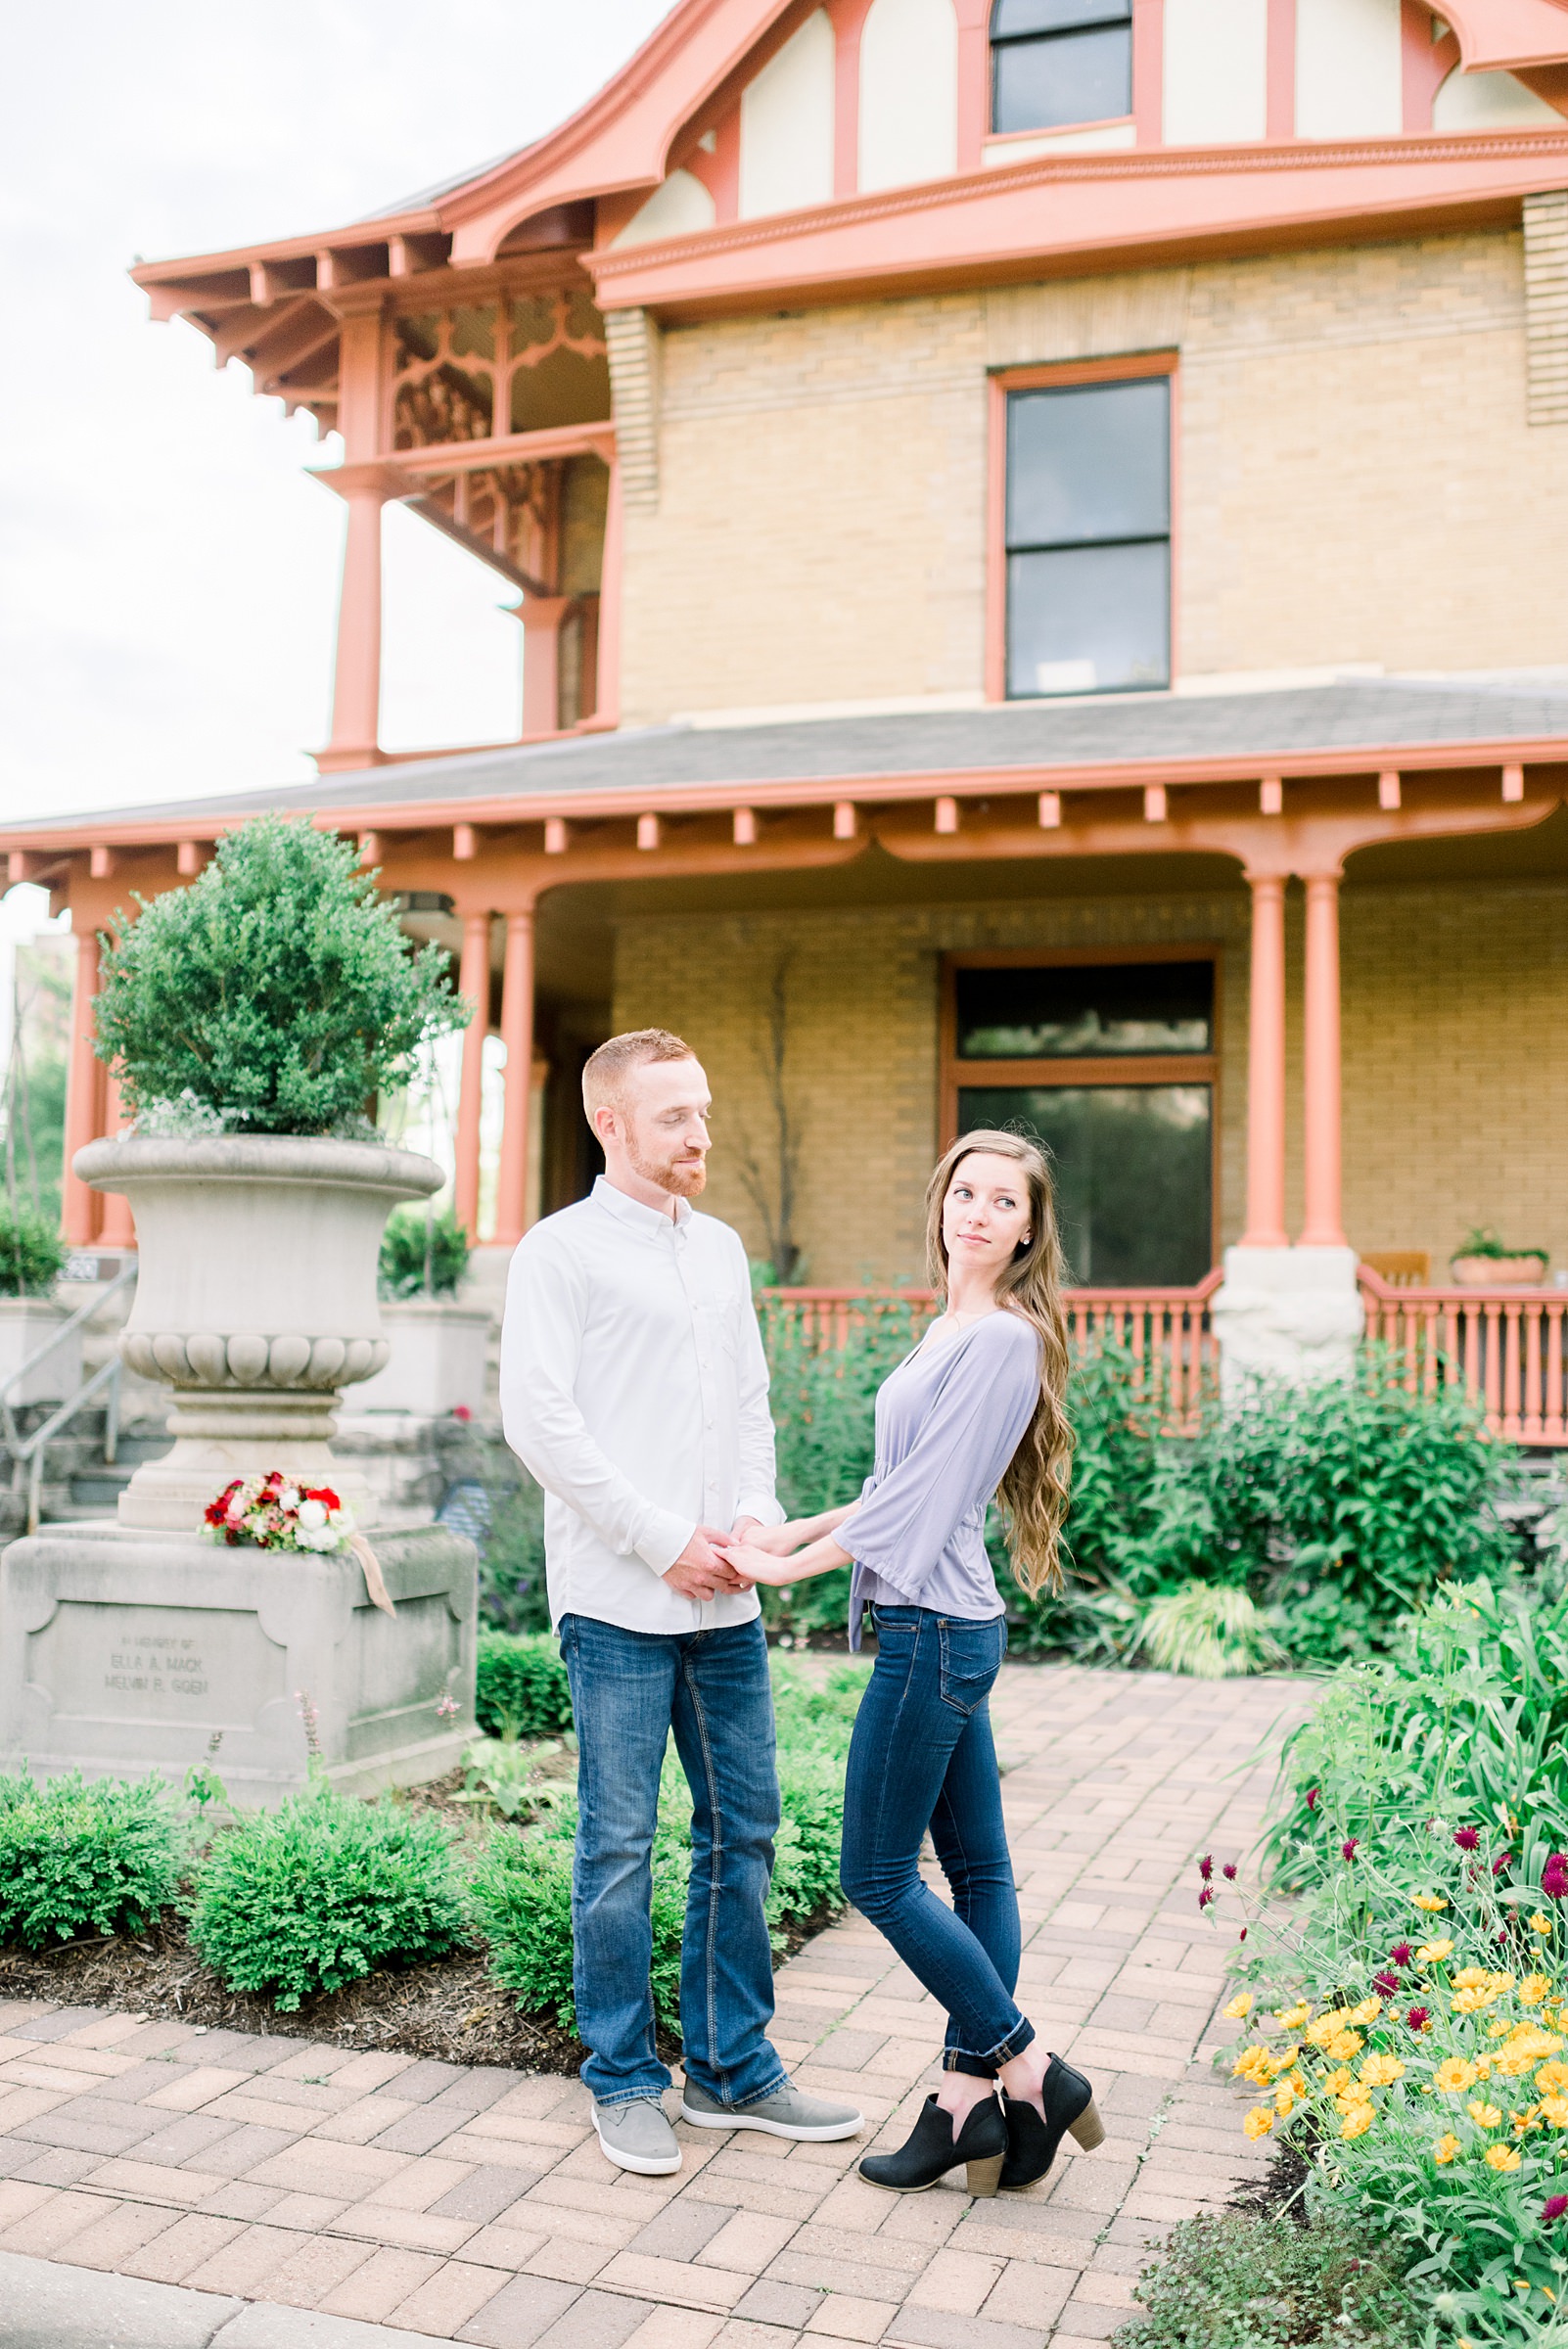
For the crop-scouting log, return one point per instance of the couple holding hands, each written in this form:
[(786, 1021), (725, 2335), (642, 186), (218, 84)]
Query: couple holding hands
[(634, 1389)]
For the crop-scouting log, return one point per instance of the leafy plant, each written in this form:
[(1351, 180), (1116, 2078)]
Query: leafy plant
[(422, 1255), (504, 1774), (105, 1856), (31, 1251), (1229, 2281), (1483, 1241), (1210, 1629), (522, 1688), (321, 1891), (513, 1594), (276, 995)]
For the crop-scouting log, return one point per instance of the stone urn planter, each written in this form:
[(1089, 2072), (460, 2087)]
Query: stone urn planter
[(134, 1646), (256, 1301), (1524, 1271), (27, 1324), (439, 1355)]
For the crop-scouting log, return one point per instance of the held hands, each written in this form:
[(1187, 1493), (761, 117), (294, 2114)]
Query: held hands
[(700, 1572), (752, 1563)]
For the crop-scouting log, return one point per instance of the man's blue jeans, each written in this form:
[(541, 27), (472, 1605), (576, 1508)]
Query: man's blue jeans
[(922, 1756), (628, 1690)]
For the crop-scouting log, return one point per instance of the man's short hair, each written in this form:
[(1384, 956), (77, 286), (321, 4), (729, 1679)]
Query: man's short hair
[(605, 1072)]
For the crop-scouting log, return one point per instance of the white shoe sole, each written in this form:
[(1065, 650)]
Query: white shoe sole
[(743, 2119), (643, 2165)]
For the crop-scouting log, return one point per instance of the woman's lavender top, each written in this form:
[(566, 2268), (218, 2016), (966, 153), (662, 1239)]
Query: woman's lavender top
[(949, 1420)]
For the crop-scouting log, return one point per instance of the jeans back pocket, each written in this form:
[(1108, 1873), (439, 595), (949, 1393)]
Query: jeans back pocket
[(971, 1657)]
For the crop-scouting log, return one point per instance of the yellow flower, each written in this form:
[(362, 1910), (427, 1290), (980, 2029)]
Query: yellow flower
[(1336, 2083), (1453, 2075), (1502, 2157), (1433, 1952), (1298, 2081), (1472, 2002), (1482, 2065), (1431, 1902), (1356, 2121), (1472, 1977), (1524, 2047), (1381, 2071), (1239, 2006), (1445, 2148), (1485, 2116), (1540, 1923), (1525, 2118), (1533, 1989), (1325, 2028), (1345, 2043), (1252, 2064), (1500, 1983), (1552, 2079), (1259, 2121), (1284, 2098), (1555, 2110), (1368, 2011), (1291, 2018)]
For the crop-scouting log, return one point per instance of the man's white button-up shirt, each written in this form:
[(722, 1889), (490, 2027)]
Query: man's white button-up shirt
[(634, 1388)]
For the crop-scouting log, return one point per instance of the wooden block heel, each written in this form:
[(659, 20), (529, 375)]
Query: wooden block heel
[(1089, 2129), (981, 2177)]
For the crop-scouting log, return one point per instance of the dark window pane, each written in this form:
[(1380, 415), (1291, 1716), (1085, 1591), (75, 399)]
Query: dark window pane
[(1010, 18), (1090, 462), (1133, 1166), (1070, 77), (1076, 1010), (1089, 619)]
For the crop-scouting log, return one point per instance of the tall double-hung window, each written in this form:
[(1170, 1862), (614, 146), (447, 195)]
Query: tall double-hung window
[(1088, 537), (1056, 61)]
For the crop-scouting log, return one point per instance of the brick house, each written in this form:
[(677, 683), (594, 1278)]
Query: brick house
[(1042, 539)]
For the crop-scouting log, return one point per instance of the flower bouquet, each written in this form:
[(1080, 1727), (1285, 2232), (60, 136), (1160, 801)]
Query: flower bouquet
[(276, 1512)]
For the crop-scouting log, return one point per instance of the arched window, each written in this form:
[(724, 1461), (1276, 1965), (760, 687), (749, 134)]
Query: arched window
[(1055, 62)]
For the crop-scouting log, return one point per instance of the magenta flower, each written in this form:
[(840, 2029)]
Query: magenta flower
[(1312, 1792), (1418, 2019), (1347, 1850), (1467, 1838), (1242, 1935), (1400, 1954), (1205, 1866), (1228, 1871), (1206, 1896), (1502, 1861), (1388, 1984), (1555, 1877), (1553, 2208)]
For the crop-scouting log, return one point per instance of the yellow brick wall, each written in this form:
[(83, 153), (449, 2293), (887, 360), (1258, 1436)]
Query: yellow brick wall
[(1356, 479), (1456, 1055)]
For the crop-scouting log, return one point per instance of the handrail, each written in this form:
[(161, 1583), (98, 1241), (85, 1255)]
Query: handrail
[(32, 1450), (1505, 1345), (84, 1314)]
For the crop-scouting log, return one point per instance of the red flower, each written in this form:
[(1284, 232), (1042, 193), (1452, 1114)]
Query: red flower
[(460, 1411), (322, 1492), (1242, 1935), (1555, 1877), (1400, 1954), (1418, 2019), (1313, 1793), (1206, 1896), (1503, 1859), (1467, 1838), (1347, 1850), (1205, 1866), (1553, 2209), (1388, 1984), (1228, 1871)]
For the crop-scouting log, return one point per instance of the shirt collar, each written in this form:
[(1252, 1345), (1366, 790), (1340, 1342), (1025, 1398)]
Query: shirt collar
[(632, 1212)]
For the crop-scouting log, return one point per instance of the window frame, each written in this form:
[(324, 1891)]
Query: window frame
[(1059, 32), (1102, 1069), (1135, 366)]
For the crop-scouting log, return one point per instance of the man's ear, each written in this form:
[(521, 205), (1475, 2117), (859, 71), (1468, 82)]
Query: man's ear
[(604, 1123)]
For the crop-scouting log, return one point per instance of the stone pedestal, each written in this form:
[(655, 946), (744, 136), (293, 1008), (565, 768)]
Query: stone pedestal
[(122, 1652), (439, 1360), (1290, 1313)]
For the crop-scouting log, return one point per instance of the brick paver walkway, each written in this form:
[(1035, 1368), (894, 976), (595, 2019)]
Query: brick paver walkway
[(474, 2205)]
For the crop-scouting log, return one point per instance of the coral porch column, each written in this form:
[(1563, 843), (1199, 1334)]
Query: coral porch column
[(1265, 1068), (357, 686), (79, 1204), (517, 1034), (474, 982), (119, 1226), (1323, 1227)]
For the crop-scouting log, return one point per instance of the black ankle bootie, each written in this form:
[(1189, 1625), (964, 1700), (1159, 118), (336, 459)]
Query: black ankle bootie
[(980, 2144), (1032, 2143)]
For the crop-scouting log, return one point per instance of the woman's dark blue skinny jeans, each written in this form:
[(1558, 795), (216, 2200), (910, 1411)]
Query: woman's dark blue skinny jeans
[(922, 1757)]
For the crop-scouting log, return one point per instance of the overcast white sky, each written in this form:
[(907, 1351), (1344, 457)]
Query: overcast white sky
[(169, 574)]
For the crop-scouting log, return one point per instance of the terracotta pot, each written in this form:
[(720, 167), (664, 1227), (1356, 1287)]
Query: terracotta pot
[(256, 1301), (1499, 1272)]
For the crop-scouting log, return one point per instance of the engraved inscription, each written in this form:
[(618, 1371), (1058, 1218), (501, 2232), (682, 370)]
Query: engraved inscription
[(155, 1661), (99, 1661)]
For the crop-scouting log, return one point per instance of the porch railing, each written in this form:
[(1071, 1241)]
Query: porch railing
[(1503, 1346)]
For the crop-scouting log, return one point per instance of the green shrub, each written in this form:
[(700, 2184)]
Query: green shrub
[(1226, 2281), (31, 1251), (422, 1255), (522, 1689), (1209, 1629), (513, 1593), (277, 995), (321, 1891), (105, 1857)]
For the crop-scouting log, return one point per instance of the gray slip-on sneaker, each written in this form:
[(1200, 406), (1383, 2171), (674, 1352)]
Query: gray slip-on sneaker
[(787, 2112), (636, 2136)]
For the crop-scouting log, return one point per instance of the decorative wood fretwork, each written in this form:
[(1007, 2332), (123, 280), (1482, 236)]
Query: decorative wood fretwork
[(479, 371)]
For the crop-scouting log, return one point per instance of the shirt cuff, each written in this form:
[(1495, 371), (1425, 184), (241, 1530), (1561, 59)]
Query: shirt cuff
[(667, 1536), (762, 1506)]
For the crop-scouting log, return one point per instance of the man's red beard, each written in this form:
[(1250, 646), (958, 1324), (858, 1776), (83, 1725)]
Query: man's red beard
[(682, 1177)]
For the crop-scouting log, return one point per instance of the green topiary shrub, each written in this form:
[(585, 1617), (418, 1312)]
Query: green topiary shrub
[(319, 1892), (1227, 2282), (522, 1689), (277, 995), (31, 1251), (105, 1857), (422, 1256)]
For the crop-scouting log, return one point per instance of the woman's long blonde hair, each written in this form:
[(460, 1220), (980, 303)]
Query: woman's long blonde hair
[(1033, 1492)]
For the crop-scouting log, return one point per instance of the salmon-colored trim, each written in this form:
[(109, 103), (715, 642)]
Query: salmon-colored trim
[(1280, 69), (1134, 366), (1424, 65), (848, 18), (1148, 70)]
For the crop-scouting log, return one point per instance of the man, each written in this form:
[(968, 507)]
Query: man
[(634, 1389)]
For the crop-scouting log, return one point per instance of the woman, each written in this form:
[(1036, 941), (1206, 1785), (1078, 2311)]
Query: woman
[(975, 1412)]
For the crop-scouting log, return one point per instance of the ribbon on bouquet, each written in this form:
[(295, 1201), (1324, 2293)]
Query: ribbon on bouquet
[(375, 1581)]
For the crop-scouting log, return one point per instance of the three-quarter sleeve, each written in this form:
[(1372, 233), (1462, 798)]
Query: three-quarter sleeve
[(975, 1422)]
